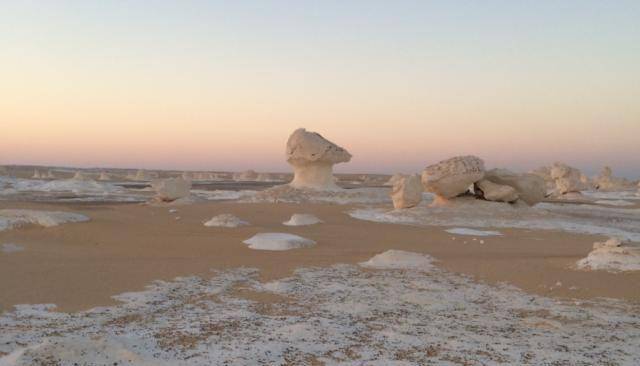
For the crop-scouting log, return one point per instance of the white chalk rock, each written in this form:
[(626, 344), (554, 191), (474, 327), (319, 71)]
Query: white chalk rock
[(246, 176), (36, 175), (568, 179), (394, 178), (607, 182), (278, 241), (531, 188), (171, 189), (143, 176), (612, 256), (496, 192), (452, 177), (50, 175), (312, 158), (407, 192), (225, 220), (302, 220), (104, 176), (81, 176), (400, 259)]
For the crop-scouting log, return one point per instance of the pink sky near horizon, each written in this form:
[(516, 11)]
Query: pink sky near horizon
[(220, 86)]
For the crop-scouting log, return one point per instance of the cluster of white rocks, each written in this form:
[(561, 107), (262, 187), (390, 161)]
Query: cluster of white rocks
[(568, 179), (456, 176), (605, 181)]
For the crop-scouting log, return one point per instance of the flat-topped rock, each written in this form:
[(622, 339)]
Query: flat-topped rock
[(452, 177)]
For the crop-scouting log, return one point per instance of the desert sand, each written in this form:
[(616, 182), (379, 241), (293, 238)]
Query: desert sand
[(126, 246)]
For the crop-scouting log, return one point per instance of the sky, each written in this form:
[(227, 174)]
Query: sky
[(219, 85)]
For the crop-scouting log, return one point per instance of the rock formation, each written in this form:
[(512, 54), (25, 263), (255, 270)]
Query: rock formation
[(605, 181), (407, 191), (394, 178), (302, 220), (36, 174), (452, 177), (171, 189), (104, 176), (80, 176), (225, 220), (312, 158), (531, 188), (246, 176), (50, 175), (613, 256), (545, 173), (491, 191), (142, 176), (568, 179)]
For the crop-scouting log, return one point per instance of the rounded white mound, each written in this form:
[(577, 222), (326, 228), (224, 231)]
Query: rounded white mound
[(278, 241), (10, 218), (11, 248), (302, 220), (474, 232), (400, 259), (612, 256), (225, 220)]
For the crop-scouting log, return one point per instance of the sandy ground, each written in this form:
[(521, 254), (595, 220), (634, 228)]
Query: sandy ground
[(125, 247)]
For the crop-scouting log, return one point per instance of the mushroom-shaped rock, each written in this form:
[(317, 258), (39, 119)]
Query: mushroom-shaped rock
[(407, 192), (567, 178), (171, 189), (491, 191), (531, 188), (452, 177), (312, 157)]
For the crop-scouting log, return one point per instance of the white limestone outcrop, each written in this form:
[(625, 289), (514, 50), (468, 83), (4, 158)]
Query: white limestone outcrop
[(171, 189), (452, 177), (496, 192), (407, 191), (312, 158), (568, 179), (605, 181), (531, 188), (612, 256)]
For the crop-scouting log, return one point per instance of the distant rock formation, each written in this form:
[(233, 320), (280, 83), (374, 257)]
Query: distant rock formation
[(36, 174), (407, 192), (531, 188), (171, 189), (80, 176), (605, 181), (104, 176), (246, 176), (394, 178), (50, 174), (143, 176), (568, 179), (452, 177), (312, 158)]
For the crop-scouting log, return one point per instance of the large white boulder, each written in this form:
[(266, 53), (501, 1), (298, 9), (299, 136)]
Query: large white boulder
[(312, 158), (407, 191), (568, 179), (612, 256), (452, 177), (496, 192), (531, 188), (171, 189)]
